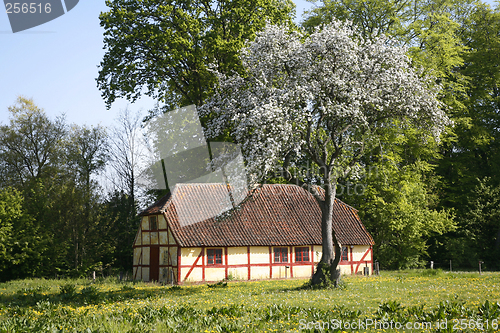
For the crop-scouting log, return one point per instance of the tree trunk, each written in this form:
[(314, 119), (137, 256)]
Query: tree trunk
[(327, 272)]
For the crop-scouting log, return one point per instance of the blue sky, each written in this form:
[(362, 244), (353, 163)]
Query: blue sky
[(56, 65)]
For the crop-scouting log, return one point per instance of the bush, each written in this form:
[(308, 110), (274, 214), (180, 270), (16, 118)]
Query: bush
[(432, 272), (90, 294), (67, 291)]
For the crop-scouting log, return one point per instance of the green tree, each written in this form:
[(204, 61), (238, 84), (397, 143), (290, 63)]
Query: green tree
[(395, 205), (482, 224), (30, 148), (165, 48), (32, 152), (123, 228), (87, 154), (397, 199), (20, 244), (10, 209), (473, 152), (374, 18)]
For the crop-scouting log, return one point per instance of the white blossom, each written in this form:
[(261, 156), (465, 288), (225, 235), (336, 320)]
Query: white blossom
[(333, 84)]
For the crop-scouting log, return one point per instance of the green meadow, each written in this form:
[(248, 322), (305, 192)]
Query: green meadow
[(465, 302)]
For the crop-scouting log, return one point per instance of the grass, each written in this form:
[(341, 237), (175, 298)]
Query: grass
[(108, 305)]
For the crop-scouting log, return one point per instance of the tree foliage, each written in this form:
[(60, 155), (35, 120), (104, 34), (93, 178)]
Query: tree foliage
[(430, 29), (164, 48), (86, 154), (397, 199), (395, 206), (473, 152), (30, 147), (11, 211), (481, 223)]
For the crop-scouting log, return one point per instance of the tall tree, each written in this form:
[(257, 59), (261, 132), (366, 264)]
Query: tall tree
[(473, 153), (30, 147), (126, 147), (325, 98), (86, 153), (126, 160), (482, 224), (475, 150), (167, 47)]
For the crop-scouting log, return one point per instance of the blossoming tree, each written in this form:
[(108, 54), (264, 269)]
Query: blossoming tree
[(322, 98)]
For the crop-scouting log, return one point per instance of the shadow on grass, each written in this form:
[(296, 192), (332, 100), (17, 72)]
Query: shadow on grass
[(75, 295)]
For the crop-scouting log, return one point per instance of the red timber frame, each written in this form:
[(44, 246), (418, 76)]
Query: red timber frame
[(168, 246), (355, 265), (200, 262)]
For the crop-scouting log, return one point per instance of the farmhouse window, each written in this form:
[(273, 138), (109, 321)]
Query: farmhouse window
[(214, 257), (301, 254), (153, 223), (345, 253), (280, 254)]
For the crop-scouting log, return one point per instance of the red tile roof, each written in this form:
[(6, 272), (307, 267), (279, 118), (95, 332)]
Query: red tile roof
[(273, 215)]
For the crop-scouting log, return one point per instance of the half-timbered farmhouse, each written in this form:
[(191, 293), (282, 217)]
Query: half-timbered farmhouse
[(274, 234)]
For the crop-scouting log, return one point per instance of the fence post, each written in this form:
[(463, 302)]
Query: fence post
[(432, 264), (480, 262), (450, 266)]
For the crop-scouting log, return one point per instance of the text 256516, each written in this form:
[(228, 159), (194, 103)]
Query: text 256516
[(27, 8)]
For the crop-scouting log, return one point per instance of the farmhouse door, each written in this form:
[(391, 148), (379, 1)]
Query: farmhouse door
[(154, 263)]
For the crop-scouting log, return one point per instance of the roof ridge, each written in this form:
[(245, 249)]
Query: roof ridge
[(171, 194), (354, 209)]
